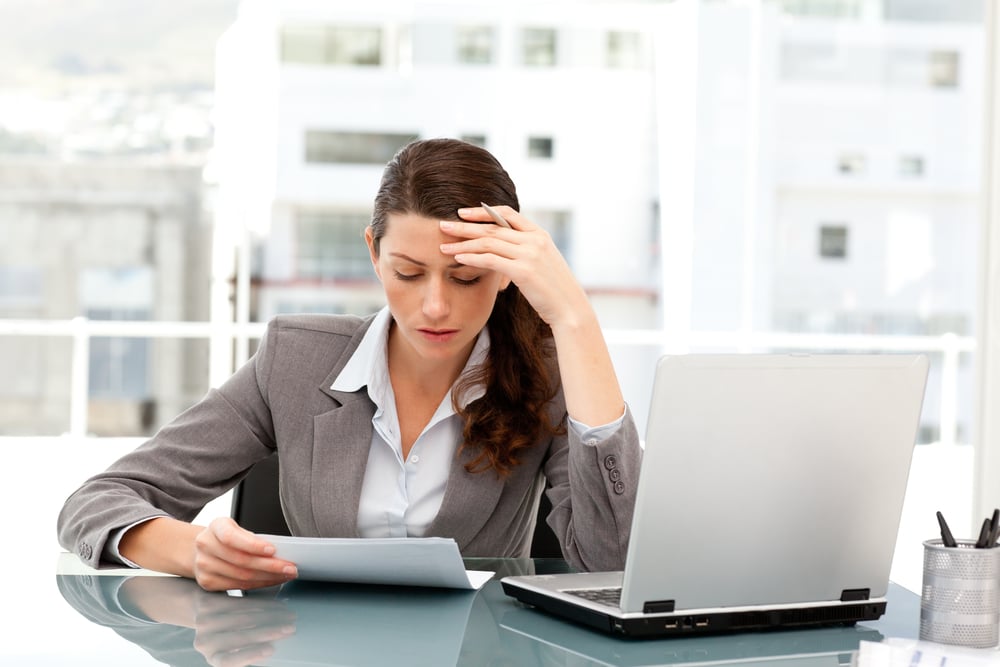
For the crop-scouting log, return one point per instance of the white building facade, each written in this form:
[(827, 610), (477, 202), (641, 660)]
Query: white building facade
[(706, 167)]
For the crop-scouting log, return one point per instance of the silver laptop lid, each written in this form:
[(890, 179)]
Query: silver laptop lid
[(771, 478)]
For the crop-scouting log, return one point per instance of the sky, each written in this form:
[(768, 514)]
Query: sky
[(58, 45)]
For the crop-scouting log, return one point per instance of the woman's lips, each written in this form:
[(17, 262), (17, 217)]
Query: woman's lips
[(438, 335)]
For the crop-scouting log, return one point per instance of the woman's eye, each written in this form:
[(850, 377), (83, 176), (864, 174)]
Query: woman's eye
[(466, 281), (407, 276)]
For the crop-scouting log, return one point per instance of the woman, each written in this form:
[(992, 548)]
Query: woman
[(445, 414)]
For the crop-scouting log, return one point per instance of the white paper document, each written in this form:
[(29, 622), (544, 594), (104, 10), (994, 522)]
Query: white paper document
[(398, 561)]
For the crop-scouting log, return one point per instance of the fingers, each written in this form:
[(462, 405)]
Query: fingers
[(229, 533), (486, 246), (243, 644), (479, 214), (229, 557)]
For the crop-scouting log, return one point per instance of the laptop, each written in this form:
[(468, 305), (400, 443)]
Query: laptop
[(769, 497)]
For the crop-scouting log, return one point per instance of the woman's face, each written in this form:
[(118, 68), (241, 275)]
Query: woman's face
[(439, 306)]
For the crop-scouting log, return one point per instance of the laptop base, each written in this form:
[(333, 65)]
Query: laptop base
[(719, 622)]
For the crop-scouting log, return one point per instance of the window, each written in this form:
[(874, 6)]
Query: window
[(119, 367), (833, 242), (911, 165), (20, 286), (540, 147), (557, 224), (943, 69), (353, 147), (331, 45), (625, 49), (851, 163), (475, 139), (887, 66), (539, 47), (330, 245), (474, 44), (303, 44), (839, 9)]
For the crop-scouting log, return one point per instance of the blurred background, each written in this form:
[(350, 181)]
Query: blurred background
[(746, 175)]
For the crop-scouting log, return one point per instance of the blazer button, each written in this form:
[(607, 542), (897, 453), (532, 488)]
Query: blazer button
[(610, 462), (615, 475), (85, 550), (619, 488)]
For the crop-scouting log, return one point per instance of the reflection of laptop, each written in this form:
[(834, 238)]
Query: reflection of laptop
[(769, 497), (526, 632)]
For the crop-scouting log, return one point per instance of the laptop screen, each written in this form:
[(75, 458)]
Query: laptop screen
[(772, 478)]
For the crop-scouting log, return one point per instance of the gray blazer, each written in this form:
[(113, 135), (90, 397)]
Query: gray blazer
[(281, 400)]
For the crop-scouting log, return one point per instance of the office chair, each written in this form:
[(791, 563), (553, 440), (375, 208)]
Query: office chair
[(257, 508)]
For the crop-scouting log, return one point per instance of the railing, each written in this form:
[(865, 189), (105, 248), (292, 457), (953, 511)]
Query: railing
[(81, 330)]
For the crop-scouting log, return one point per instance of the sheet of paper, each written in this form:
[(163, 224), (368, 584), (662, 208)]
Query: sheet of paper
[(399, 561)]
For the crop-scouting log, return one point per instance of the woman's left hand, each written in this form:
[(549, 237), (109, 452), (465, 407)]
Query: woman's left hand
[(524, 253)]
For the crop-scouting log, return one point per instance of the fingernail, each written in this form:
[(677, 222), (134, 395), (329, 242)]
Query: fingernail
[(447, 224), (290, 571), (465, 211)]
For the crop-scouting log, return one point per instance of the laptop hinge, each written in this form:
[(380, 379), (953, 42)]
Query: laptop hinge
[(658, 607), (854, 594)]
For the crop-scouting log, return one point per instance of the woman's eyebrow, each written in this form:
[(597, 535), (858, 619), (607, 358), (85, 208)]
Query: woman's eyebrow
[(407, 258)]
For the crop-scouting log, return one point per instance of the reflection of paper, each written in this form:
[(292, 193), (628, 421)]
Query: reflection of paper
[(400, 561), (369, 626), (895, 652)]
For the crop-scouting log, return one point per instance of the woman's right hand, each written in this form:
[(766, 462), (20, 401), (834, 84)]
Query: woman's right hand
[(228, 557)]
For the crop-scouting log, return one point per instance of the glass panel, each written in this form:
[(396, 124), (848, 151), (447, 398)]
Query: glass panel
[(330, 245), (557, 224), (305, 44), (474, 44), (539, 47), (354, 147), (477, 139), (353, 45), (540, 147), (626, 49), (317, 44), (35, 394)]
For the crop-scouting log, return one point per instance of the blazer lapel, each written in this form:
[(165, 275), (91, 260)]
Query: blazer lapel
[(469, 501), (341, 440)]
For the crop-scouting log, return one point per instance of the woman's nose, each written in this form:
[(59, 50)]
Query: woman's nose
[(436, 299)]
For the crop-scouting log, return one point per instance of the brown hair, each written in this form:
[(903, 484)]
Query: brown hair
[(433, 178)]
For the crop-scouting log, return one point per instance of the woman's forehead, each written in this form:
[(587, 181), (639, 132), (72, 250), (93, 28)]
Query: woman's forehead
[(416, 235)]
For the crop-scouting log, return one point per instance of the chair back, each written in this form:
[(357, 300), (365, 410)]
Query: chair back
[(257, 507)]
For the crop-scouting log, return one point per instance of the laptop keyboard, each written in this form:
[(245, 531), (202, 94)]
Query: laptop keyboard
[(609, 596)]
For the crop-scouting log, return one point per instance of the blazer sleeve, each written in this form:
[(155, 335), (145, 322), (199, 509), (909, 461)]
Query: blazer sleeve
[(195, 458), (592, 486)]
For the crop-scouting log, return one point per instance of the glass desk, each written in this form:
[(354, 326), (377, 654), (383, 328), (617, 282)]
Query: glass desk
[(104, 618)]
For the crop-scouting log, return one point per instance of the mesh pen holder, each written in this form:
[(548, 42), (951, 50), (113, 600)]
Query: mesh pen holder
[(960, 601)]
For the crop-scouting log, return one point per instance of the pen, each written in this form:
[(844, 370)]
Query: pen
[(984, 535), (946, 537), (497, 218), (995, 528)]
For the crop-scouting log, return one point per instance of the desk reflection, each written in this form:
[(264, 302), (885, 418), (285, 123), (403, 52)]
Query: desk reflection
[(551, 641), (306, 623), (299, 623)]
